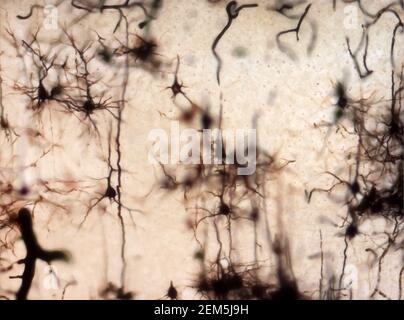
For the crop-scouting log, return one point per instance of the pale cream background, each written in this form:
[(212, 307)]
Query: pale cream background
[(290, 96)]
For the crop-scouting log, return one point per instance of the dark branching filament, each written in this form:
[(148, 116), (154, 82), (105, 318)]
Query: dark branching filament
[(232, 10), (34, 252), (93, 75)]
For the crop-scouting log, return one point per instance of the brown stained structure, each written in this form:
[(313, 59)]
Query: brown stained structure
[(76, 108)]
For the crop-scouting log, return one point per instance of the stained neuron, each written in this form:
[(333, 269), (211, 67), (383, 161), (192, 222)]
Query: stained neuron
[(222, 207), (232, 10)]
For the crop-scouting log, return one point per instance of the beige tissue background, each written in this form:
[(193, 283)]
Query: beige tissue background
[(289, 96)]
